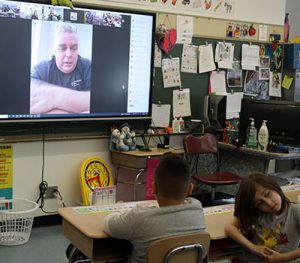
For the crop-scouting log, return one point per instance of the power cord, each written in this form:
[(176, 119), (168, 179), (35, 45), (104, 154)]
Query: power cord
[(59, 197), (44, 184)]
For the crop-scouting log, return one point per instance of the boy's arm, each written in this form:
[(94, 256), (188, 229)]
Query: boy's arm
[(232, 230), (119, 225)]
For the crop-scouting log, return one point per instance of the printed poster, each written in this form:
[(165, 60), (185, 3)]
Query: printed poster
[(6, 171), (171, 72)]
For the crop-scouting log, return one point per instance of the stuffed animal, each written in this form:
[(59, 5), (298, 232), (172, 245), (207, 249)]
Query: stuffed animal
[(117, 141), (129, 136), (67, 3)]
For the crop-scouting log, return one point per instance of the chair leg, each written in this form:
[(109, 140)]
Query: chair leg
[(213, 193)]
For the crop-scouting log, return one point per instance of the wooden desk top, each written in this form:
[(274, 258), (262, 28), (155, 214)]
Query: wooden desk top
[(216, 217), (91, 224), (263, 154)]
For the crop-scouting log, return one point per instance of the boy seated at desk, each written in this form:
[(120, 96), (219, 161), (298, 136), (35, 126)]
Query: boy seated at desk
[(175, 215)]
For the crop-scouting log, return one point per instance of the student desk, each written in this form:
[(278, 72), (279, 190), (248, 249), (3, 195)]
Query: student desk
[(243, 160), (85, 230), (136, 161)]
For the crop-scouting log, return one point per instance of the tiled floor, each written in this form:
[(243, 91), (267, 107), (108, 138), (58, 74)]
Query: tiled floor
[(47, 244)]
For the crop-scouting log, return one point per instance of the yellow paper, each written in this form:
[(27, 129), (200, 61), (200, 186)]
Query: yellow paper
[(287, 82)]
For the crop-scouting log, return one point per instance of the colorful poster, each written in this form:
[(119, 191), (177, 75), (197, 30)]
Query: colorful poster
[(6, 171)]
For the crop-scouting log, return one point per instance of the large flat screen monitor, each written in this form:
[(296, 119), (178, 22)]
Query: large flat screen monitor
[(81, 64), (282, 119)]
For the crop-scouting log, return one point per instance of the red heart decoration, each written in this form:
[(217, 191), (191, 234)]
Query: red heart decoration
[(167, 42)]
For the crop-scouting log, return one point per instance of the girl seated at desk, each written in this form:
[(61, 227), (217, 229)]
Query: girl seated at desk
[(265, 222)]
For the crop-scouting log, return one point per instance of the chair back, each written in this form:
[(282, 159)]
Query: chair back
[(202, 153), (206, 144), (192, 248)]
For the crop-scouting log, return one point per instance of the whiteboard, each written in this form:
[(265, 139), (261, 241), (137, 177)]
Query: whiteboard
[(256, 11)]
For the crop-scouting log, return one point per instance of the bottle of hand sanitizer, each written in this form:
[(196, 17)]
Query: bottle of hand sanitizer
[(263, 136), (251, 141)]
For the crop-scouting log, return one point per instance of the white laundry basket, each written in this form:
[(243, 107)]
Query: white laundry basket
[(16, 218)]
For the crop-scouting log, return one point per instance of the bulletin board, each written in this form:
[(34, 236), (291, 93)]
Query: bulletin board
[(197, 83)]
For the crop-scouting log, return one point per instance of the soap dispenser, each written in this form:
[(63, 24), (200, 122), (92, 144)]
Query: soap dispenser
[(251, 140), (263, 136)]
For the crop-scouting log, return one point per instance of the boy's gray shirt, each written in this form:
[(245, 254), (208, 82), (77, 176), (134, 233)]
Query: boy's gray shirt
[(141, 226)]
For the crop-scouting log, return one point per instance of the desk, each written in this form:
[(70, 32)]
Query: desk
[(85, 230), (137, 161), (244, 161)]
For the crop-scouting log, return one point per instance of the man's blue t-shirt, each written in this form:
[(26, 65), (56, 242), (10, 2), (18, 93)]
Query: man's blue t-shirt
[(79, 79)]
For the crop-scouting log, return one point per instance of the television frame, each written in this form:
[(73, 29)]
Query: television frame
[(26, 117)]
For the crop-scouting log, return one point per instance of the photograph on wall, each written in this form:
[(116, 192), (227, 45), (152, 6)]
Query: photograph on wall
[(265, 62), (263, 90), (234, 77), (263, 73), (250, 84), (275, 84)]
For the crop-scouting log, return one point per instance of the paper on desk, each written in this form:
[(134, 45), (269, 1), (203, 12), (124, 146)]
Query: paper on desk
[(218, 82), (189, 59), (206, 58), (161, 114), (233, 105), (181, 103), (250, 56)]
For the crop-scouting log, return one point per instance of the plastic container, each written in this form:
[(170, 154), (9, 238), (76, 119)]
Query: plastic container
[(175, 126), (251, 140), (263, 136), (16, 218), (181, 125)]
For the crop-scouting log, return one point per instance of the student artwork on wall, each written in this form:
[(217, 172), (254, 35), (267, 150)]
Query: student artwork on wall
[(234, 76), (224, 54), (171, 72), (206, 58), (219, 8), (185, 29), (181, 103), (189, 59)]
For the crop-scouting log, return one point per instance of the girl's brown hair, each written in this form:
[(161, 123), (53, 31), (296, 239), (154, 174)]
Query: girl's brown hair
[(245, 208)]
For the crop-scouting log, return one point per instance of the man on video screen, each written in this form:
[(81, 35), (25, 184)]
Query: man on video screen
[(62, 84)]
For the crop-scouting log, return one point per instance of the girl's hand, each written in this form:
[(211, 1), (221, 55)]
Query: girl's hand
[(274, 257), (261, 251)]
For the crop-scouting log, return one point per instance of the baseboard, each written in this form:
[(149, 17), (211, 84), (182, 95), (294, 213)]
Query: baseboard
[(47, 220)]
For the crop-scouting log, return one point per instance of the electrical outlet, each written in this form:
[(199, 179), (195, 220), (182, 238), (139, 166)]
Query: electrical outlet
[(49, 193)]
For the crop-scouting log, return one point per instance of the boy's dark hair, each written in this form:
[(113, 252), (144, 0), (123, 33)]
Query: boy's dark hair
[(245, 208), (172, 177)]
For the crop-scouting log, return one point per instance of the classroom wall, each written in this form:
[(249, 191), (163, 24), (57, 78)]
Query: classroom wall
[(266, 11), (291, 7), (63, 158)]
